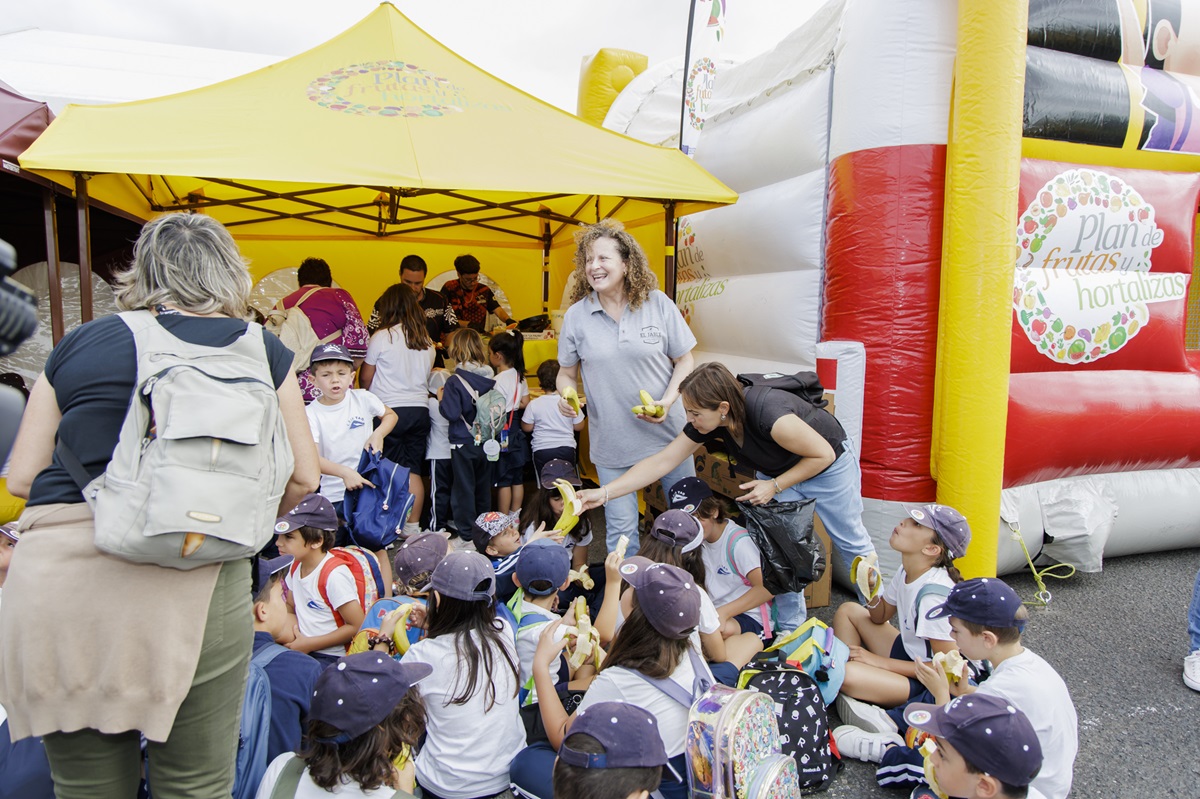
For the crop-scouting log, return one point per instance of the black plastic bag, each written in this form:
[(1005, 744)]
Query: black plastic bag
[(792, 555)]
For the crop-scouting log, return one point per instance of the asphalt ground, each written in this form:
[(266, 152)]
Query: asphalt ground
[(1118, 638)]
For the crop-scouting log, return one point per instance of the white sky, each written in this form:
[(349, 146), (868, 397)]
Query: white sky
[(536, 45)]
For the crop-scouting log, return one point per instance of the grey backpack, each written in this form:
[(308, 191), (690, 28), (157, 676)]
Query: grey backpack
[(203, 456), (490, 413)]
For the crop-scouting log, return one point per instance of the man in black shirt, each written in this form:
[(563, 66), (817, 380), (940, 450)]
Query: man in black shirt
[(439, 316)]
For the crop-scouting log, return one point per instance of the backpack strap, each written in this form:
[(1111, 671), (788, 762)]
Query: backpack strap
[(764, 609), (323, 578), (289, 780), (700, 683), (263, 657)]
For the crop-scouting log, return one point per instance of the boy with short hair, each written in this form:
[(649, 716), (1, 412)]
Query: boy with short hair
[(497, 536), (613, 751), (985, 748), (306, 533), (553, 433), (341, 420), (291, 675)]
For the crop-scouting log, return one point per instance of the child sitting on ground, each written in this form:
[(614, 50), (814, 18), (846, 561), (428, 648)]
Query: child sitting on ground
[(416, 558), (614, 751), (987, 619), (366, 719), (474, 727), (306, 533), (542, 570), (553, 433), (291, 675), (546, 508), (675, 539), (341, 420), (985, 749), (497, 537), (732, 562), (882, 669)]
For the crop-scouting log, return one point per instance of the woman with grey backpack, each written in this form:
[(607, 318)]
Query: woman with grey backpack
[(156, 451)]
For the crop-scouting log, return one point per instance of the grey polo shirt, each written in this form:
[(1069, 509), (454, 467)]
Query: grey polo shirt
[(618, 359)]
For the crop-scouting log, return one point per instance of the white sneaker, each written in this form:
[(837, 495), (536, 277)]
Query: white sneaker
[(1191, 671), (411, 529), (862, 745), (871, 718)]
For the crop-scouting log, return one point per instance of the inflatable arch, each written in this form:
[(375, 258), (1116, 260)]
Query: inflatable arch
[(1017, 268)]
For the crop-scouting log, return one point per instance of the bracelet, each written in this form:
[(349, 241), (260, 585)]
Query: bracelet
[(778, 490), (605, 502), (375, 640)]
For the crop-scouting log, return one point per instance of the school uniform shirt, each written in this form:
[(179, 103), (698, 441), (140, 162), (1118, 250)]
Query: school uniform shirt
[(721, 576), (505, 568), (307, 789), (619, 684), (527, 641), (915, 629), (341, 431), (550, 428), (292, 676), (469, 747), (401, 375), (1033, 686), (437, 445), (513, 389), (313, 616)]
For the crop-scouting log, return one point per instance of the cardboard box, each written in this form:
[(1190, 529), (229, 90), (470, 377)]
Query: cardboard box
[(715, 472)]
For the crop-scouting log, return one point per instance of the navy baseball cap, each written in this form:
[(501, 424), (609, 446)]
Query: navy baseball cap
[(313, 511), (667, 595), (360, 691), (628, 733), (269, 568), (419, 556), (950, 525), (543, 560), (679, 528), (464, 575), (981, 600), (331, 352), (491, 524), (687, 494), (990, 733), (558, 470)]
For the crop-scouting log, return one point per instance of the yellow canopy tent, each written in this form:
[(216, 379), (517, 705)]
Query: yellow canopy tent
[(380, 134)]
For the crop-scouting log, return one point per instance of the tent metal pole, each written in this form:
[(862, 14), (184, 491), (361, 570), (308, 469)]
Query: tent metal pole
[(83, 219), (50, 216), (669, 250), (546, 241)]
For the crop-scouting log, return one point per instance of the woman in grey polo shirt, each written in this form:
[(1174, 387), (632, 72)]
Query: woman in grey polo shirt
[(627, 336)]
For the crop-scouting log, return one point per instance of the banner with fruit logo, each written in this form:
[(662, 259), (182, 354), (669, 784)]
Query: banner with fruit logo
[(1103, 261), (706, 27)]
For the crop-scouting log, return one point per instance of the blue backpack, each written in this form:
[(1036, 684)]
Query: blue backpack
[(375, 516), (255, 728)]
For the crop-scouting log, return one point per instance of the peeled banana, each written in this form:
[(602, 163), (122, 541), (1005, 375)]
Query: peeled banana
[(572, 398), (952, 663), (572, 507), (865, 574), (622, 545), (586, 637), (582, 577), (648, 407)]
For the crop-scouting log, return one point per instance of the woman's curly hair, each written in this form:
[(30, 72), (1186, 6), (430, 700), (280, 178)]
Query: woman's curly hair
[(639, 280)]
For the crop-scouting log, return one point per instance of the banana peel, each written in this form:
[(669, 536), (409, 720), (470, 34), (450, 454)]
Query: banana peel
[(359, 642), (648, 407), (400, 636), (191, 542), (622, 545), (572, 398), (582, 577), (864, 572), (572, 507), (586, 637), (952, 663), (402, 759)]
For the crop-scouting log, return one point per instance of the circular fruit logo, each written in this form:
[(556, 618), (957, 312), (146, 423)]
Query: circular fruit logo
[(386, 89), (1084, 246)]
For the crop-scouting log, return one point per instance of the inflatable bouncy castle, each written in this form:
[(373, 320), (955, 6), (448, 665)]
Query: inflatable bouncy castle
[(982, 228)]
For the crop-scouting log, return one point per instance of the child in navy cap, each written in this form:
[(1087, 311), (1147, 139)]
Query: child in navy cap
[(984, 747), (882, 672), (614, 751), (366, 718)]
